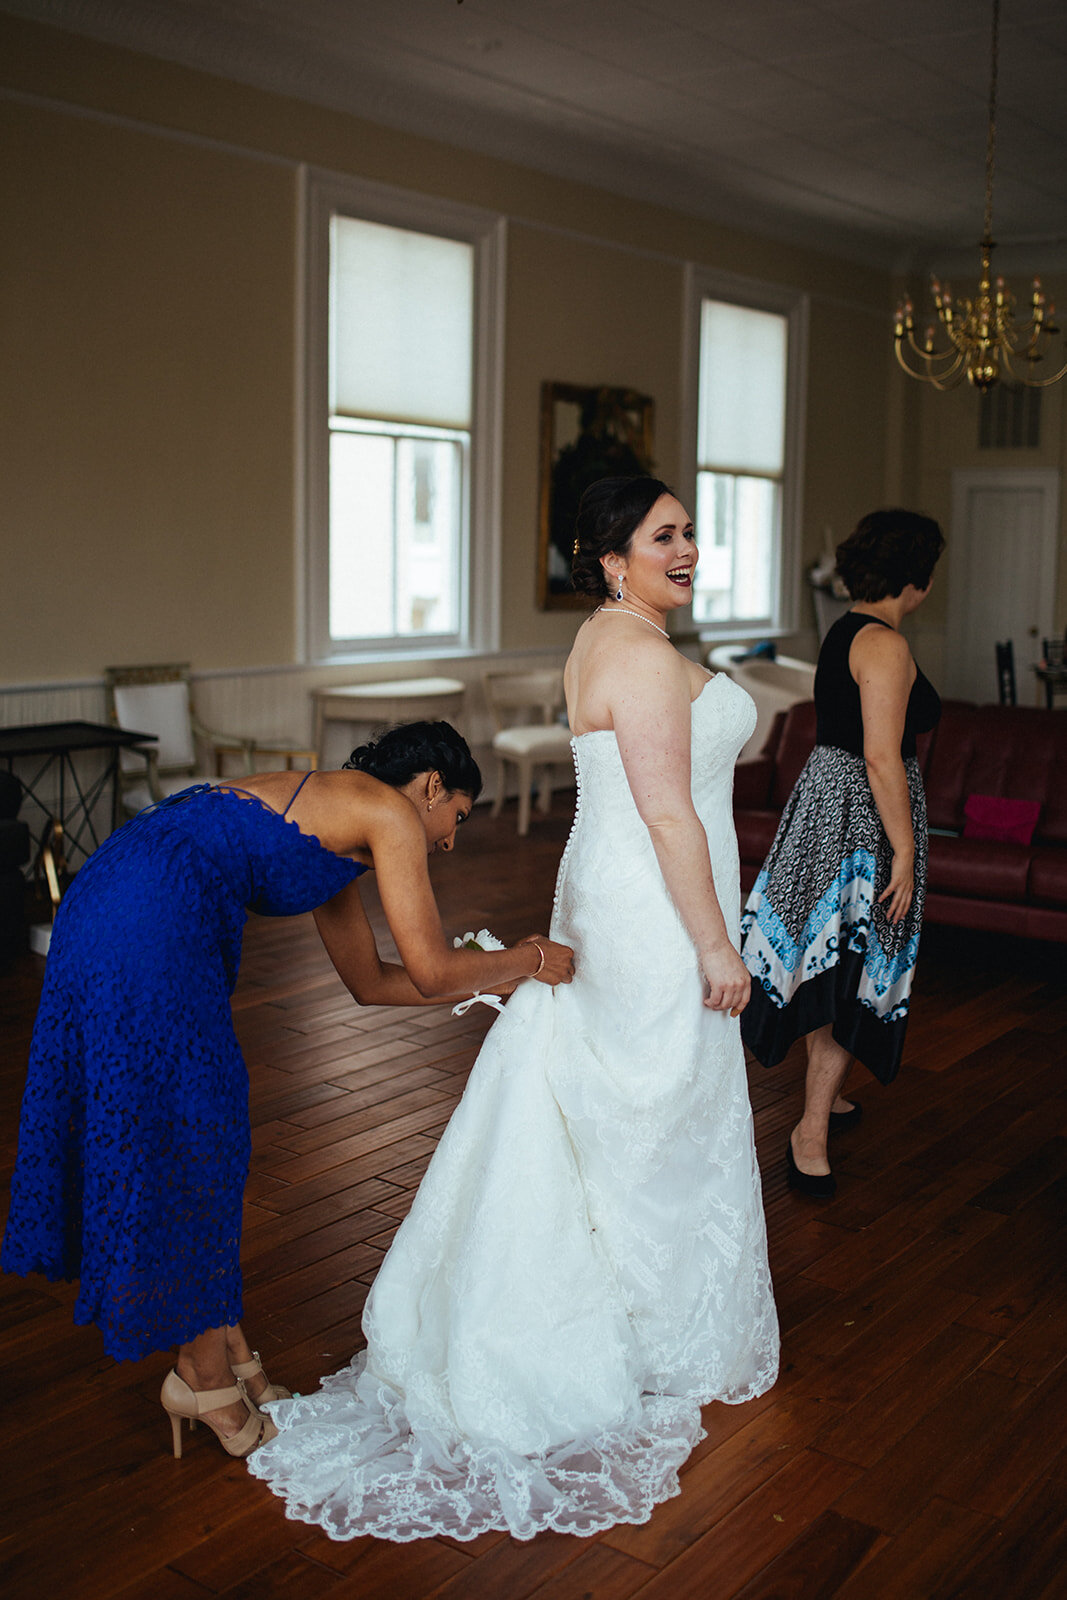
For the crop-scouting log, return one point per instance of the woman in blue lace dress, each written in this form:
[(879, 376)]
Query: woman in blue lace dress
[(134, 1138)]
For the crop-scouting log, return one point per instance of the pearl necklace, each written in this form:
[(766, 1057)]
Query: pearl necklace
[(626, 610)]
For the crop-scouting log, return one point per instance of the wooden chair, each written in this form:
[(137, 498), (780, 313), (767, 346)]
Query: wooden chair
[(1006, 672), (528, 746), (157, 699)]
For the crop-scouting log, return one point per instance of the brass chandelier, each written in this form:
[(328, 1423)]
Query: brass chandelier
[(985, 341)]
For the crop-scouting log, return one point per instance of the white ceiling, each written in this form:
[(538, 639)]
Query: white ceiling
[(853, 125)]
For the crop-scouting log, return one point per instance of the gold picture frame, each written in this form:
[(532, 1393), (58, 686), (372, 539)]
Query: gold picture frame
[(586, 433)]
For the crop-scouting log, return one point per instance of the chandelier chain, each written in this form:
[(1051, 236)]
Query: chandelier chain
[(991, 136)]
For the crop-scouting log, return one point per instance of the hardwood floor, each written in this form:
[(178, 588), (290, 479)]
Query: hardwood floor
[(913, 1448)]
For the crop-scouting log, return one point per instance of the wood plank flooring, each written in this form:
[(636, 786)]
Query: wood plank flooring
[(913, 1448)]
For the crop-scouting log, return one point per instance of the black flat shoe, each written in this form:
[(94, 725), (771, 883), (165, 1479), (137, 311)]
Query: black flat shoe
[(840, 1120), (817, 1185)]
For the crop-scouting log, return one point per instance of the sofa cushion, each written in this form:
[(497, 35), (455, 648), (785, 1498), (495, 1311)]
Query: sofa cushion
[(1048, 876), (991, 816), (948, 762), (794, 748), (752, 784), (1052, 823), (979, 867), (769, 752), (755, 833), (1008, 751)]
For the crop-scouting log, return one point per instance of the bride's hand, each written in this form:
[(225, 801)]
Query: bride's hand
[(727, 981), (558, 966)]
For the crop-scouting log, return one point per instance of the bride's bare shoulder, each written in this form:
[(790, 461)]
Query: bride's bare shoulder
[(603, 671)]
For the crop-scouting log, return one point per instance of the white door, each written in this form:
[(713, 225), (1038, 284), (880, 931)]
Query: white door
[(1002, 576)]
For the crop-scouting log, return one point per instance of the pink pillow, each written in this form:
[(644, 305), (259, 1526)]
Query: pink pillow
[(988, 816)]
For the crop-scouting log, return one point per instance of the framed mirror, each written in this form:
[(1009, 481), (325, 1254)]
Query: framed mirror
[(586, 434)]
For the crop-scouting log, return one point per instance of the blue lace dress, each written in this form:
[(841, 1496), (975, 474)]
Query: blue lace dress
[(134, 1138)]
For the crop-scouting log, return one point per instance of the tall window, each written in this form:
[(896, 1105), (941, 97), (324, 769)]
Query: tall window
[(401, 458), (400, 429), (747, 499)]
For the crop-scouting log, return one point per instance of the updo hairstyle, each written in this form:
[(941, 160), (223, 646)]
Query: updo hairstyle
[(402, 753), (887, 551), (609, 513)]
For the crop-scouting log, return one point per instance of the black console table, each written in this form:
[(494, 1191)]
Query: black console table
[(51, 749)]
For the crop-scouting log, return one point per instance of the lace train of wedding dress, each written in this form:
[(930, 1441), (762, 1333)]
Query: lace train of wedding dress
[(585, 1262)]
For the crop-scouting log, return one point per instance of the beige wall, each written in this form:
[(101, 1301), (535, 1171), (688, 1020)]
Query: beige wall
[(149, 249), (577, 312), (847, 423), (147, 461)]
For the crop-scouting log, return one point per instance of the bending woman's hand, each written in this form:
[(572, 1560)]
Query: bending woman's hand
[(901, 887), (558, 965), (728, 982)]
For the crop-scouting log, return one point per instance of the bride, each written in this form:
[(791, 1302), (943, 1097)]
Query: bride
[(585, 1263)]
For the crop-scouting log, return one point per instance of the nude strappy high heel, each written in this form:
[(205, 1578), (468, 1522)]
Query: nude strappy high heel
[(180, 1402), (243, 1370)]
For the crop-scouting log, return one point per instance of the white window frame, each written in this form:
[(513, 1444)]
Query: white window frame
[(322, 195), (703, 283)]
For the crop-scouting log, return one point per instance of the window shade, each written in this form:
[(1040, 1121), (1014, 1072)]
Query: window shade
[(402, 321), (741, 426)]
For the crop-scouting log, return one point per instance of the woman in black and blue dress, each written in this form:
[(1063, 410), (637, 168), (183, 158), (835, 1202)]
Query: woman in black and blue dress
[(831, 929), (134, 1138)]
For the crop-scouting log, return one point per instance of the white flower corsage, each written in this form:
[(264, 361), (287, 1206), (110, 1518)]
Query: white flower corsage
[(483, 940)]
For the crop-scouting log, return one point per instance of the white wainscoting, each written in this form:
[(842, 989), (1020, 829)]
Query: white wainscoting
[(266, 703)]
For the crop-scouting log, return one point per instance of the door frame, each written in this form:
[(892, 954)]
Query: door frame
[(964, 481)]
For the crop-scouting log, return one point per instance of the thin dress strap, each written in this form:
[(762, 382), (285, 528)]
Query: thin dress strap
[(236, 789), (296, 791)]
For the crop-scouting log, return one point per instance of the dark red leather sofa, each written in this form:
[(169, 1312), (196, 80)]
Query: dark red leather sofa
[(1014, 752)]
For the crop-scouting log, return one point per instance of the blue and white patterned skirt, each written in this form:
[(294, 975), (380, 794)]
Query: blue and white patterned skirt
[(817, 943)]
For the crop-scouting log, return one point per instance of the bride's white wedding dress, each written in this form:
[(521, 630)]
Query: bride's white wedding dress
[(585, 1263)]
